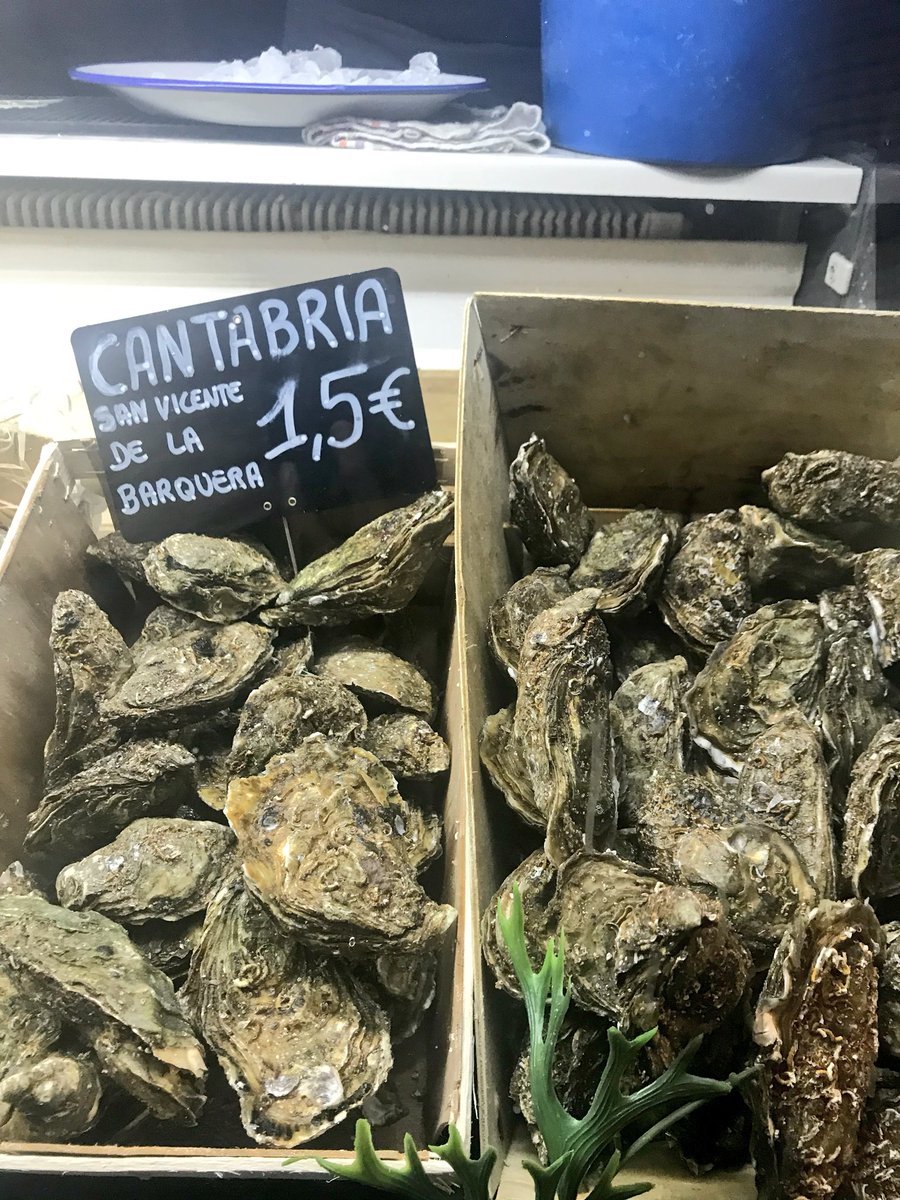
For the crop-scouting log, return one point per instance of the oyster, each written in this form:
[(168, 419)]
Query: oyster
[(513, 612), (816, 1022), (215, 578), (144, 777), (772, 666), (830, 489), (168, 945), (875, 1173), (870, 864), (376, 674), (93, 977), (29, 1026), (162, 623), (210, 745), (376, 570), (853, 703), (843, 606), (127, 558), (502, 758), (332, 849), (785, 554), (407, 984), (669, 796), (889, 991), (190, 676), (640, 641), (53, 1100), (407, 746), (300, 1039), (16, 880), (159, 868), (706, 588), (536, 881), (293, 654), (784, 784), (546, 507), (878, 574), (626, 559), (649, 727), (561, 722), (281, 712)]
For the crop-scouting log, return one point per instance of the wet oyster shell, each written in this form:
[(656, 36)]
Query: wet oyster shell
[(536, 881), (407, 984), (706, 588), (546, 507), (17, 880), (772, 666), (502, 758), (215, 578), (640, 641), (561, 723), (300, 1039), (159, 868), (626, 559), (889, 991), (143, 777), (843, 606), (407, 746), (190, 676), (53, 1100), (513, 612), (127, 558), (331, 848), (670, 796), (870, 862), (816, 1021), (210, 744), (29, 1026), (853, 703), (162, 623), (376, 674), (283, 711), (168, 945), (85, 966), (377, 570), (878, 574), (293, 654), (875, 1173), (649, 728), (829, 489), (783, 553)]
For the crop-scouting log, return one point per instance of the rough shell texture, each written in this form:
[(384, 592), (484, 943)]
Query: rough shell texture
[(536, 881), (706, 588), (781, 553), (293, 654), (159, 868), (626, 559), (853, 703), (283, 711), (88, 970), (546, 507), (649, 727), (817, 1023), (54, 1100), (772, 666), (332, 849), (162, 623), (17, 880), (843, 606), (889, 991), (215, 578), (561, 723), (169, 945), (642, 640), (407, 986), (123, 556), (669, 796), (831, 488), (377, 570), (29, 1026), (144, 777), (513, 612), (878, 574), (502, 758), (870, 863), (407, 746), (376, 674), (875, 1174), (300, 1039)]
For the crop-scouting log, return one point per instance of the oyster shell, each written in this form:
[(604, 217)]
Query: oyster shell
[(162, 623), (640, 641), (215, 578), (889, 991), (870, 864), (816, 1022), (127, 558), (772, 666), (210, 744), (649, 728), (17, 880), (376, 570), (376, 674), (829, 489), (669, 796), (706, 588), (332, 849), (561, 722), (168, 945), (502, 758), (546, 507), (878, 574), (875, 1173), (159, 868), (300, 1039), (626, 559), (516, 609), (283, 711), (53, 1100), (29, 1026), (407, 984), (407, 746), (190, 676), (536, 880), (782, 552), (293, 654), (853, 703), (86, 968), (143, 777), (843, 606)]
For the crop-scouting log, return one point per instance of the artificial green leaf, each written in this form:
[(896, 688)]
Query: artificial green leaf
[(474, 1175), (407, 1180)]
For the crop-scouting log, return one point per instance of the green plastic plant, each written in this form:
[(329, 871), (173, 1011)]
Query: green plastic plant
[(579, 1148)]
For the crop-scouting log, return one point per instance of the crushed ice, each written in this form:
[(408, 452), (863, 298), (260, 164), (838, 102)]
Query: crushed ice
[(322, 65)]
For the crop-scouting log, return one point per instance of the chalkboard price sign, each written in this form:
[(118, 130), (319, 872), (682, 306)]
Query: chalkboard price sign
[(299, 399)]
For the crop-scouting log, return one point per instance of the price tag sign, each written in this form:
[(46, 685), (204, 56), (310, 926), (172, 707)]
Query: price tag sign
[(299, 399)]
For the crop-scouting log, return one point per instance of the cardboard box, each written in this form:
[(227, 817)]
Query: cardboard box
[(660, 404), (43, 554)]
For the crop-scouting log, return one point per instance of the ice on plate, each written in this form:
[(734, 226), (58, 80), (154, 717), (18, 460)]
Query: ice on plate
[(323, 65)]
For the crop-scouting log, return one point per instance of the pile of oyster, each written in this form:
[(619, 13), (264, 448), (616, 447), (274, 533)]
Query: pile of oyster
[(703, 725), (222, 856)]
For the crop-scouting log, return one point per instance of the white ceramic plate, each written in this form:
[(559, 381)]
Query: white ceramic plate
[(174, 88)]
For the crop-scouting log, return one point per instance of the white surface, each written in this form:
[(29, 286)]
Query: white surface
[(560, 172), (224, 1166)]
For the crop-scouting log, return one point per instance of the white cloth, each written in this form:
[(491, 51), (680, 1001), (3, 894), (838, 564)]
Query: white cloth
[(517, 129)]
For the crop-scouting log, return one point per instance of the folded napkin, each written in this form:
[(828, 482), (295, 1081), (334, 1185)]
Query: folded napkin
[(518, 129)]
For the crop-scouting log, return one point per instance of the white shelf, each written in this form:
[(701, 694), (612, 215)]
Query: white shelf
[(560, 172)]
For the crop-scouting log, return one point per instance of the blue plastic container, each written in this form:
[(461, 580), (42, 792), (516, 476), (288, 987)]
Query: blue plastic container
[(725, 82)]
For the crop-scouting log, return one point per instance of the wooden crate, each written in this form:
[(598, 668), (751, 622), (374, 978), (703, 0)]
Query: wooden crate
[(645, 403), (43, 554)]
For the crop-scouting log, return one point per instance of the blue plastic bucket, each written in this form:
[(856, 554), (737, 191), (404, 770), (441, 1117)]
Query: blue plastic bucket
[(726, 82)]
